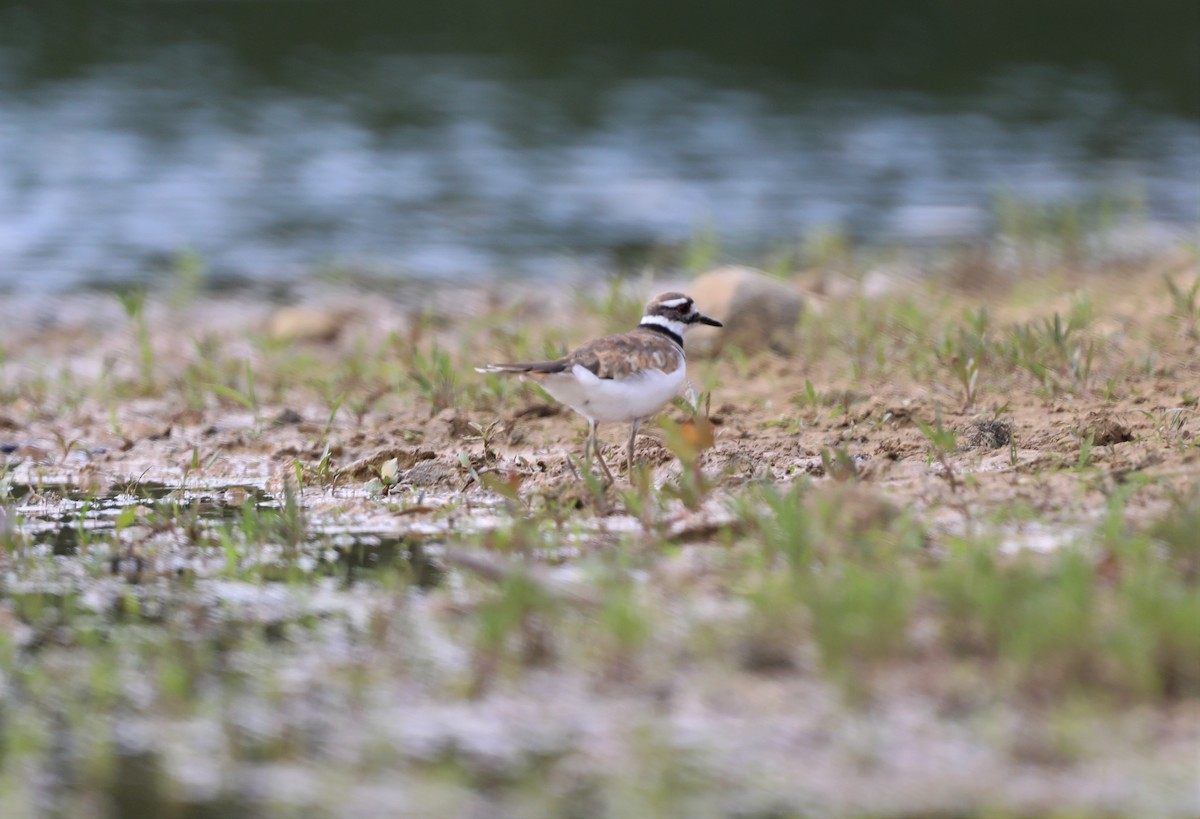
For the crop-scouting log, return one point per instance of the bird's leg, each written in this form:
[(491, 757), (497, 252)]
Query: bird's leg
[(592, 427), (587, 445), (637, 422)]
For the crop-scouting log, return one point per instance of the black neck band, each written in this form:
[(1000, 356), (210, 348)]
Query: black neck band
[(658, 328)]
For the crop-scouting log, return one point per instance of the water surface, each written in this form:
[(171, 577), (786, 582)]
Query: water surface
[(444, 154)]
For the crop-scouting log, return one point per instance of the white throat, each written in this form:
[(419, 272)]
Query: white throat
[(676, 327)]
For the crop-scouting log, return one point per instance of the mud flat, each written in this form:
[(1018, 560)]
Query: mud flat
[(939, 556)]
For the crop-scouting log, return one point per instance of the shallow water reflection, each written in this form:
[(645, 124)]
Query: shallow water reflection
[(69, 521)]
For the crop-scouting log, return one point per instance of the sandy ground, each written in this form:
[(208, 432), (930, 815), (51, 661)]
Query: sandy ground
[(73, 413)]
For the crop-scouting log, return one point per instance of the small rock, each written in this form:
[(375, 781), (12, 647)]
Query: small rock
[(429, 473), (759, 312), (305, 324), (1106, 430), (188, 417), (288, 416)]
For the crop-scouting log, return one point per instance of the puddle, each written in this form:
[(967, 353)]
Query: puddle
[(360, 553), (62, 516), (63, 520)]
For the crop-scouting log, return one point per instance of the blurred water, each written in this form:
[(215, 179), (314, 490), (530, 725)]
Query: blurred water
[(471, 165)]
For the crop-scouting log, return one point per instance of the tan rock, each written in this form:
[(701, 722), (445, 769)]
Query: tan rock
[(759, 311), (305, 324)]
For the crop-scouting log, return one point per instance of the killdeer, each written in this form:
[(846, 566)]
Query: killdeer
[(627, 377)]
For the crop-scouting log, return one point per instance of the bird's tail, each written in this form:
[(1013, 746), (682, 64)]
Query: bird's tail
[(523, 367)]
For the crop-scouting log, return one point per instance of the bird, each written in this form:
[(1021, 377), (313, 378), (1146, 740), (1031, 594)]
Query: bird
[(624, 378)]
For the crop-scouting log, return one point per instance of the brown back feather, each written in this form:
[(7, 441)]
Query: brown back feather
[(616, 356), (621, 355)]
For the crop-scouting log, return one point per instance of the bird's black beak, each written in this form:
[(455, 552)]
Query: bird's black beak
[(703, 319)]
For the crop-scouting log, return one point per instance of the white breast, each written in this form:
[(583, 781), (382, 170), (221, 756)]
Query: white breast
[(615, 399)]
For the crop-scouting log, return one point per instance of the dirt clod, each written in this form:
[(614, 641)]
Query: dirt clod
[(1106, 430), (990, 433), (368, 467), (288, 416)]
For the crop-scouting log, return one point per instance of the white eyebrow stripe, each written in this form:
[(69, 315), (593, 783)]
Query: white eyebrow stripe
[(676, 327), (674, 302)]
